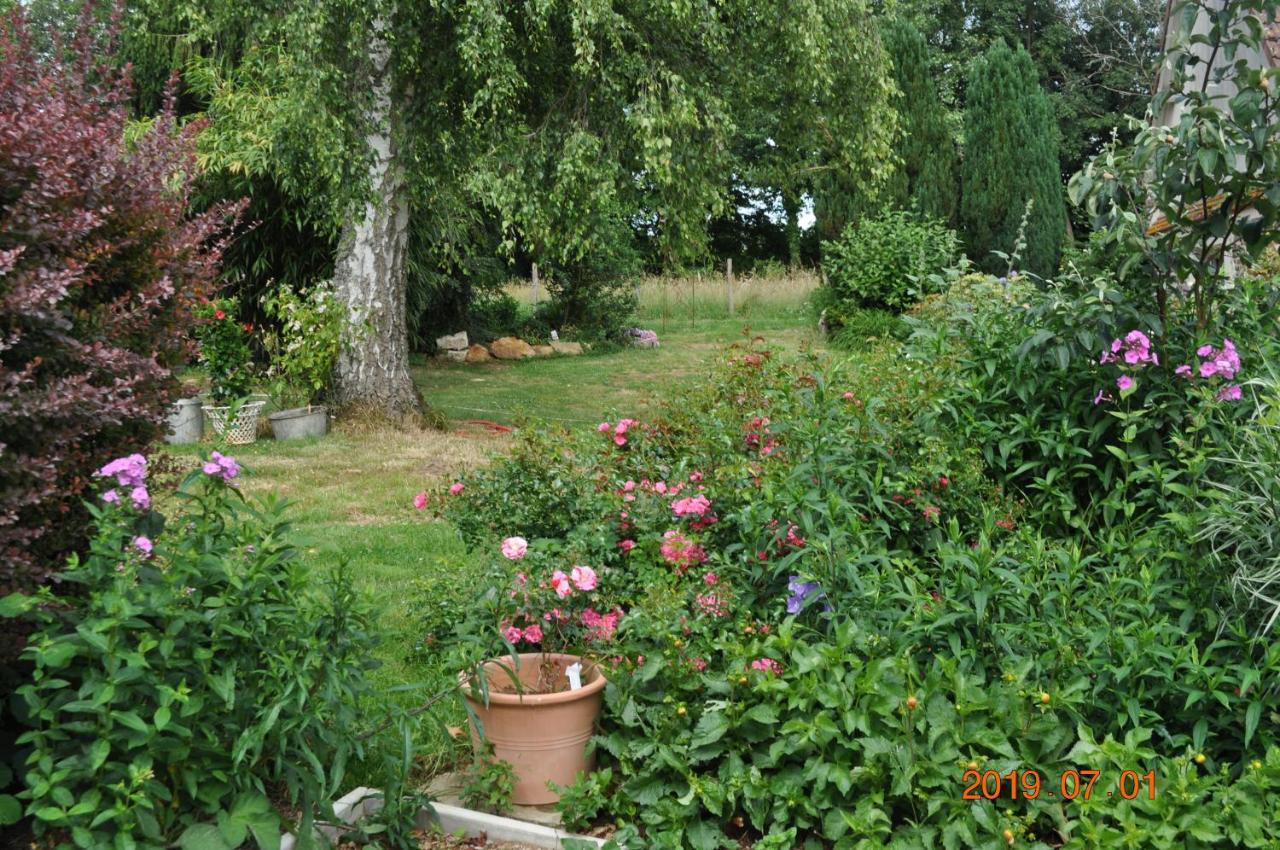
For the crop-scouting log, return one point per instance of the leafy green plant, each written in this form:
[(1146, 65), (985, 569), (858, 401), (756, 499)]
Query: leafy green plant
[(203, 671), (1205, 163), (885, 261), (308, 343), (224, 349), (490, 784), (583, 801)]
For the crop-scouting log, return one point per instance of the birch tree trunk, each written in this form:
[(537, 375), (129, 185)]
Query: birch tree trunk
[(369, 273)]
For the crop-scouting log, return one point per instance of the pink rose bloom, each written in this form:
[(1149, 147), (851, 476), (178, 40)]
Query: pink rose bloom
[(513, 548), (111, 497), (695, 477), (456, 488), (420, 501), (660, 487), (560, 583), (768, 665), (142, 544), (691, 505), (698, 664), (620, 440), (627, 545), (847, 396), (512, 634), (710, 578), (141, 498), (583, 578), (628, 486), (1124, 382), (604, 427), (533, 634)]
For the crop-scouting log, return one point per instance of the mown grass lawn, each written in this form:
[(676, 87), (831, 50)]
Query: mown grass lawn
[(353, 490)]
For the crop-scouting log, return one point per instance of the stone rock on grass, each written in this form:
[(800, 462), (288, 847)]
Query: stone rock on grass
[(543, 350), (510, 348), (452, 342), (455, 356), (566, 347), (478, 354)]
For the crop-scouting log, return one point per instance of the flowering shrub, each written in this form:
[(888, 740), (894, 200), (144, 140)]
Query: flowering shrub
[(224, 350), (820, 638), (305, 349), (99, 269), (202, 667)]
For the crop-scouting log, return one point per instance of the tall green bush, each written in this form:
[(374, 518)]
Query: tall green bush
[(926, 178), (885, 262), (1011, 159)]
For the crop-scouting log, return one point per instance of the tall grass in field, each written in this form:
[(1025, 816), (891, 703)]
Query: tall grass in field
[(671, 299)]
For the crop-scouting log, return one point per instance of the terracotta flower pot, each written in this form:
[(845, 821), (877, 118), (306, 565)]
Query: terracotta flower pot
[(542, 735)]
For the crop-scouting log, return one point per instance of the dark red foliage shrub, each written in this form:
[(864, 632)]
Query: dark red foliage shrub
[(100, 265)]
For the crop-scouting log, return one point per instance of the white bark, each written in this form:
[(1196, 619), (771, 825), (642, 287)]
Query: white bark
[(369, 274)]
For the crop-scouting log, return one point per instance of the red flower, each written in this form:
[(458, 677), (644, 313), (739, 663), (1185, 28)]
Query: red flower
[(248, 327), (219, 314)]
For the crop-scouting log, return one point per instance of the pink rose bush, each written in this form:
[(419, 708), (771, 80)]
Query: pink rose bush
[(553, 610)]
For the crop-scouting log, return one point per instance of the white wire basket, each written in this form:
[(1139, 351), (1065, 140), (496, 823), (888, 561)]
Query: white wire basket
[(241, 430)]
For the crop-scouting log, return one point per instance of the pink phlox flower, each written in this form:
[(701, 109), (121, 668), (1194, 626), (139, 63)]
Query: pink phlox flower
[(1184, 370), (128, 471), (140, 497), (111, 497), (1229, 393), (143, 545), (1124, 382)]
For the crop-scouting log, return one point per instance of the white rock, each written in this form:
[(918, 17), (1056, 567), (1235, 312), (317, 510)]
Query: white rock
[(453, 342)]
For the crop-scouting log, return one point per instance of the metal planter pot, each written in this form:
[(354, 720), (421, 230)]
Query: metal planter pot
[(299, 422)]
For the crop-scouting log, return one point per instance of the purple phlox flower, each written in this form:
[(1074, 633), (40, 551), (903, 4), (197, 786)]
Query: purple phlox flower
[(1184, 370), (1134, 349), (802, 593), (128, 471), (111, 497), (1124, 382), (141, 498), (142, 544), (1101, 397), (224, 467), (1223, 362)]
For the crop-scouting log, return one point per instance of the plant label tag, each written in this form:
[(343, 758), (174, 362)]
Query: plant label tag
[(574, 672)]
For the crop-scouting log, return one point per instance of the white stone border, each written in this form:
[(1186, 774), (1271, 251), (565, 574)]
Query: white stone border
[(362, 801)]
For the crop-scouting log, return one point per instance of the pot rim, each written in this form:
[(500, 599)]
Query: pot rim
[(588, 688), (299, 412)]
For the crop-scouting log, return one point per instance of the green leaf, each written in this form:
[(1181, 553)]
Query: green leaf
[(10, 810), (711, 728), (16, 604), (202, 836), (1251, 717), (130, 719), (161, 718)]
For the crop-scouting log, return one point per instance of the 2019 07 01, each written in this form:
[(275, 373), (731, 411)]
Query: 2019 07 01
[(1068, 785)]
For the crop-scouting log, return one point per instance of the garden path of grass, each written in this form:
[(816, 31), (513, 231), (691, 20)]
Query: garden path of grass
[(353, 490)]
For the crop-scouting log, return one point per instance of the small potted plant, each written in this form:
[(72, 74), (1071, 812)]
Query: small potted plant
[(537, 706), (304, 352), (224, 352)]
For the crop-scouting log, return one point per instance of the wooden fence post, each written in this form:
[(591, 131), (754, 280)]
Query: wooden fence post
[(534, 284), (728, 281)]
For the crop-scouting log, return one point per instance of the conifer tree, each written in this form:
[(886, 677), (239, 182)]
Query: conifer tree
[(1011, 157), (925, 179)]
